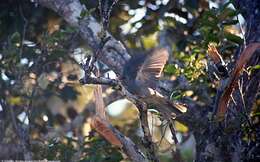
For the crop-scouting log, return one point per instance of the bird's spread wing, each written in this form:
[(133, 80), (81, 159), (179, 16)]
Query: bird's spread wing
[(152, 67)]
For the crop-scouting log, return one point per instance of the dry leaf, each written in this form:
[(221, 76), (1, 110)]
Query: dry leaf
[(99, 103), (100, 123), (102, 127), (243, 59), (214, 54)]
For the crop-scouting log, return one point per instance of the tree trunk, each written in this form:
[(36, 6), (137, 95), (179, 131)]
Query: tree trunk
[(223, 141)]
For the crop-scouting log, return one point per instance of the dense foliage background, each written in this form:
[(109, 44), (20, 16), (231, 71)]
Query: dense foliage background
[(44, 109)]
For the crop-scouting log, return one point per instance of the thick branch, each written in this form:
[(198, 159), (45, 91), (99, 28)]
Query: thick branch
[(114, 54), (10, 150), (99, 80)]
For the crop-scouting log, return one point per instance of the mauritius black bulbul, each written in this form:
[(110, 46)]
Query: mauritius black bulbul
[(140, 76)]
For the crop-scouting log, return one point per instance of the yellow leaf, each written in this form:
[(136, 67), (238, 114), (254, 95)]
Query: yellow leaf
[(15, 100), (180, 127), (149, 41)]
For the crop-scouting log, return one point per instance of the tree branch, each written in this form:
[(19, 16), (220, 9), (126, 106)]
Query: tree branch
[(104, 128), (113, 54), (10, 150), (147, 140)]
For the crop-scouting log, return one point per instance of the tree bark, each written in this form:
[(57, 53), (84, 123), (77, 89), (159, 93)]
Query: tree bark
[(222, 141)]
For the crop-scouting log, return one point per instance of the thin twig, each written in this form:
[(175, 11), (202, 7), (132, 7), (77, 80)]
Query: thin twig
[(173, 132), (163, 135), (24, 30), (244, 113), (105, 12), (147, 140), (249, 28), (26, 152)]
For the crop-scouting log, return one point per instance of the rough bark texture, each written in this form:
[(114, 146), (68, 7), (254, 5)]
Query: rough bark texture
[(222, 141), (114, 54), (10, 150)]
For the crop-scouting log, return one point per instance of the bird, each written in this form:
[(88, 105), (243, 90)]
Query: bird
[(140, 76)]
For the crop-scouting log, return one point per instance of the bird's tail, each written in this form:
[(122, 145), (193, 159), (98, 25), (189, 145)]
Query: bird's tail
[(168, 108), (181, 107), (171, 109)]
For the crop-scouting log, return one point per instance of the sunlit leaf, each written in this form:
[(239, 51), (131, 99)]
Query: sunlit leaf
[(181, 127), (16, 37), (15, 100), (233, 38)]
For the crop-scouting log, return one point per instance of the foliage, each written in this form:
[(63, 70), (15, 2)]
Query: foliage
[(40, 69)]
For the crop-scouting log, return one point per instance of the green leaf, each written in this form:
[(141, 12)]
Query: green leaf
[(56, 54), (230, 22), (16, 37), (257, 67), (253, 68), (227, 13), (233, 38), (176, 95), (70, 30), (170, 69), (86, 13), (256, 114)]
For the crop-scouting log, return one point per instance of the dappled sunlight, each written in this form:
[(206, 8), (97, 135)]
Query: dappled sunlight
[(121, 81)]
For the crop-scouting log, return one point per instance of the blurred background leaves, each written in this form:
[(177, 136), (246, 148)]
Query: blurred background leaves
[(40, 69)]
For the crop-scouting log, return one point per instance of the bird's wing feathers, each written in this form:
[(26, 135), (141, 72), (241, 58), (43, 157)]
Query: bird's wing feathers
[(152, 67)]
